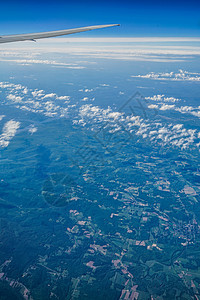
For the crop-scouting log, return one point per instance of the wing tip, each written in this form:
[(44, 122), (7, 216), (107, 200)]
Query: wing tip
[(115, 25)]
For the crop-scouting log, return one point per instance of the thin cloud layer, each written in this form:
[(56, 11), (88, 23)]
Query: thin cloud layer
[(28, 62), (130, 49)]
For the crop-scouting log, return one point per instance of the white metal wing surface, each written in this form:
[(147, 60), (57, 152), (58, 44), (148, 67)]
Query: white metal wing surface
[(42, 35)]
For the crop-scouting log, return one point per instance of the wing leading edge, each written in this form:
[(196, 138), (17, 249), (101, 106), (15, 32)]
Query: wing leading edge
[(42, 35)]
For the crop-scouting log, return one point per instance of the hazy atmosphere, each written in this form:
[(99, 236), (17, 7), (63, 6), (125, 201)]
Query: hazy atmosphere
[(99, 152)]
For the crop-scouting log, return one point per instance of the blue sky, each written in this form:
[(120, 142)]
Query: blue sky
[(138, 18)]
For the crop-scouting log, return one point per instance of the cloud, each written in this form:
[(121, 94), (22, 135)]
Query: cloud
[(195, 111), (84, 99), (32, 129), (109, 40), (14, 98), (86, 90), (153, 106), (28, 62), (37, 93), (164, 135), (63, 98), (162, 106), (36, 101), (179, 76), (9, 131), (94, 117), (162, 98), (129, 49), (104, 84), (166, 107), (52, 95)]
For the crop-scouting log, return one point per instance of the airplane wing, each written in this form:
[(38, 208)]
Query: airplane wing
[(42, 35)]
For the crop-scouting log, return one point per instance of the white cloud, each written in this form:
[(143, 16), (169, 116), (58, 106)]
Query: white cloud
[(129, 49), (93, 117), (162, 98), (37, 93), (14, 98), (32, 129), (63, 98), (28, 62), (180, 76), (153, 106), (52, 95), (85, 99), (104, 84), (9, 131), (86, 90), (123, 40), (25, 91), (177, 127), (35, 100), (174, 135), (195, 111), (166, 107)]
